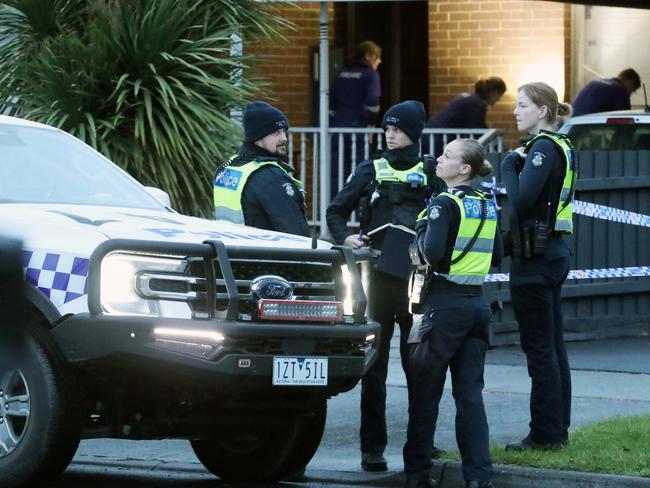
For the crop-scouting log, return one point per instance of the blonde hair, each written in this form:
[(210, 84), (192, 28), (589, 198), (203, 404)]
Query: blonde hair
[(473, 153), (368, 48), (544, 95)]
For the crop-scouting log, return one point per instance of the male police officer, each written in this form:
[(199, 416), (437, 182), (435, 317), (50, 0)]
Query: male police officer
[(256, 187), (392, 189)]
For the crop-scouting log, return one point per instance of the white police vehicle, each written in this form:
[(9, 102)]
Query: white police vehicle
[(147, 324), (610, 131)]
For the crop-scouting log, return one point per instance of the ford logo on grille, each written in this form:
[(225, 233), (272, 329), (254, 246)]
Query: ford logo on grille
[(271, 287)]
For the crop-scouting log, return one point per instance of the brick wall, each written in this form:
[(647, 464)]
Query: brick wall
[(519, 40), (285, 65)]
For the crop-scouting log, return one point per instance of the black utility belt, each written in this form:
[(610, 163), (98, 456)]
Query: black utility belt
[(531, 240)]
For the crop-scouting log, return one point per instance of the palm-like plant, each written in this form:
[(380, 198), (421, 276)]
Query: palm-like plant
[(149, 83)]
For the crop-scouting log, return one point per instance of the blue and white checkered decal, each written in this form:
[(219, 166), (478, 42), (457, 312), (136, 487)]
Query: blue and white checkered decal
[(60, 277)]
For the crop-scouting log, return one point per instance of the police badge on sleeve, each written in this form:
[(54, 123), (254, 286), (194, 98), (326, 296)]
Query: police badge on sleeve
[(288, 188), (434, 212), (538, 159)]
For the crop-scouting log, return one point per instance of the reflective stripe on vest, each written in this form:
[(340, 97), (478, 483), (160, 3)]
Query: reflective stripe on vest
[(229, 186), (414, 175), (474, 266), (564, 213)]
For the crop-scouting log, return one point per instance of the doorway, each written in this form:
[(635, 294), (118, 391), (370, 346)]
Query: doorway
[(401, 29)]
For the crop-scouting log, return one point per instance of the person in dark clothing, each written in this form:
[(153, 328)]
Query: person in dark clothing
[(255, 186), (539, 179), (458, 239), (391, 189), (466, 111), (605, 95), (354, 102)]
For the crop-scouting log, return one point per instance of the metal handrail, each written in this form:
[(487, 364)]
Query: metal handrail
[(304, 156)]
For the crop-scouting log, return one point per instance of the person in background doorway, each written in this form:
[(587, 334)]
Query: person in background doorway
[(605, 95), (256, 186), (354, 102), (390, 190), (466, 111)]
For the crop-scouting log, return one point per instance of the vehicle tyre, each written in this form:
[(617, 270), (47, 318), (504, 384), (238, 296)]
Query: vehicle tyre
[(39, 411), (265, 454)]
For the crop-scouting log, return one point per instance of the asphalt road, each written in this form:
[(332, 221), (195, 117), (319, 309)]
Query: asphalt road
[(610, 378)]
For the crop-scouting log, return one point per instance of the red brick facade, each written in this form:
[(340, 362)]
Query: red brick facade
[(286, 66), (518, 40)]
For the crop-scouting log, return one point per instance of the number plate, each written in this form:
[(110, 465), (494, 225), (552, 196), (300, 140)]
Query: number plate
[(299, 371)]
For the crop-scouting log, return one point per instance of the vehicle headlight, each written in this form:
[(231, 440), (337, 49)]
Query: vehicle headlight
[(121, 285), (347, 292)]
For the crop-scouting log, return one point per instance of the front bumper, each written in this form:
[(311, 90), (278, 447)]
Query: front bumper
[(245, 360)]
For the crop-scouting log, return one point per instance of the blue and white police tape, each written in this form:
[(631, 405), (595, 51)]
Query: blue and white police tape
[(584, 274), (588, 209), (608, 213)]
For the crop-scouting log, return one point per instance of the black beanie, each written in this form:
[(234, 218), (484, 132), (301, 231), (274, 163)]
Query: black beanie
[(261, 119), (408, 116)]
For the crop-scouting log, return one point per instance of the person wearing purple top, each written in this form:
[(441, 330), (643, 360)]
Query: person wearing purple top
[(354, 102), (466, 111), (605, 95)]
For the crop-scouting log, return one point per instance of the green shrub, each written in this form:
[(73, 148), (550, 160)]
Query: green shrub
[(149, 83)]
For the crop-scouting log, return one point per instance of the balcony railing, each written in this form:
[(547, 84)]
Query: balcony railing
[(355, 145)]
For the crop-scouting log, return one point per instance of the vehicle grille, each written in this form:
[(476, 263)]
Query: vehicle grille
[(310, 280)]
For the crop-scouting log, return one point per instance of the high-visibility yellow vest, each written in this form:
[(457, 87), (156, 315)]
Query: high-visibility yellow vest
[(229, 186), (414, 175), (471, 267), (564, 213)]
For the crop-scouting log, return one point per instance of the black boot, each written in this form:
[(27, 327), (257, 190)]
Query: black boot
[(436, 452), (528, 443), (373, 461)]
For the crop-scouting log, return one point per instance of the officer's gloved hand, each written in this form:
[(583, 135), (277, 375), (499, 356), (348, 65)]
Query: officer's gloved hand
[(514, 159)]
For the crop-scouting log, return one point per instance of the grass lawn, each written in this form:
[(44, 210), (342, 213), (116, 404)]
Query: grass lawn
[(615, 446)]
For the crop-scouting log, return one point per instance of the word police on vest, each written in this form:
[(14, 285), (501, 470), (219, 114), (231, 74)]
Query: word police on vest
[(228, 178)]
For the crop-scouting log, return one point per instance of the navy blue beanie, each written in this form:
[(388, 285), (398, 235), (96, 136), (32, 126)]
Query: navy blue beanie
[(261, 119), (408, 116)]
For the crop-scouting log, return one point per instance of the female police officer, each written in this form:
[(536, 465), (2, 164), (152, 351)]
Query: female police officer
[(457, 238), (392, 189), (539, 179)]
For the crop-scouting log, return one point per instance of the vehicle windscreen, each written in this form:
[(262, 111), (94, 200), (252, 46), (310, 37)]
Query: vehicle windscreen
[(46, 166), (609, 137)]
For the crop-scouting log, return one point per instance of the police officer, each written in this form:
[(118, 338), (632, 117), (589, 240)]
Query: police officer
[(354, 102), (391, 189), (256, 187), (466, 111), (604, 95), (457, 239), (539, 179)]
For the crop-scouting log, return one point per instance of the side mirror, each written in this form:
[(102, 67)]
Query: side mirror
[(159, 195)]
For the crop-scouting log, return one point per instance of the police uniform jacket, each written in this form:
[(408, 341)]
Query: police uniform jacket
[(465, 111), (601, 96), (529, 192), (362, 184), (354, 96), (271, 200), (435, 237)]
